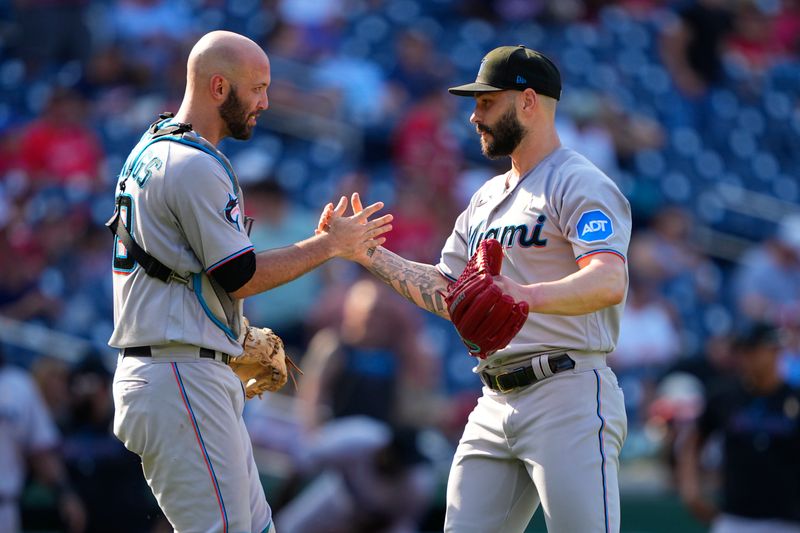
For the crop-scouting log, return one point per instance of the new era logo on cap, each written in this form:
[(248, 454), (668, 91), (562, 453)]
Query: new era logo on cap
[(514, 68)]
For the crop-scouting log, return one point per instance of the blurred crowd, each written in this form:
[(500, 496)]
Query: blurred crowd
[(692, 107)]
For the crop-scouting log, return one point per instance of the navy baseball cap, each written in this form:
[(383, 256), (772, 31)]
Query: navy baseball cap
[(514, 68)]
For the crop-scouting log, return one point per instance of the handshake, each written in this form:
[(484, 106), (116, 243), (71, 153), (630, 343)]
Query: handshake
[(485, 316), (355, 236)]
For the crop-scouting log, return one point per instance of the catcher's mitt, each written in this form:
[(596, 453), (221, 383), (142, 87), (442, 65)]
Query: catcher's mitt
[(485, 317), (263, 366)]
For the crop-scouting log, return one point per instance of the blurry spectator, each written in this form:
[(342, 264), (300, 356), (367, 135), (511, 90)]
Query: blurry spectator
[(631, 132), (373, 364), (427, 160), (291, 59), (318, 22), (648, 343), (9, 151), (767, 280), (105, 475), (280, 221), (715, 361), (648, 337), (417, 228), (424, 149), (51, 33), (21, 294), (356, 85), (373, 479), (787, 27), (665, 253), (417, 68), (754, 44), (153, 32), (692, 45), (113, 81), (59, 148), (664, 250), (109, 68), (677, 402), (757, 418), (581, 126), (51, 375), (87, 301), (608, 134), (29, 437)]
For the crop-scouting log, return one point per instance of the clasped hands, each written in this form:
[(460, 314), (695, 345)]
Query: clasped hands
[(355, 235)]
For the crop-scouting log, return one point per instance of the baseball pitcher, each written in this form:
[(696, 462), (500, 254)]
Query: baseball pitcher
[(533, 277)]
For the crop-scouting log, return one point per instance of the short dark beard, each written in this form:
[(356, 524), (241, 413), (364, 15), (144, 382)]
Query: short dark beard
[(235, 116), (506, 133)]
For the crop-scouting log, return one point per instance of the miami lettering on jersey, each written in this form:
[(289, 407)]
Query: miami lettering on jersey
[(594, 226), (508, 235)]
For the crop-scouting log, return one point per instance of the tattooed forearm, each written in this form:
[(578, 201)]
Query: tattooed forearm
[(419, 283)]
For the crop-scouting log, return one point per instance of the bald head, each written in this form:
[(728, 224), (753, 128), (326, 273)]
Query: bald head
[(225, 53), (226, 86)]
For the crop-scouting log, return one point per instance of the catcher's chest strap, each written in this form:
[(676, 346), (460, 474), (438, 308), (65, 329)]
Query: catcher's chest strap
[(147, 351), (152, 266), (539, 368)]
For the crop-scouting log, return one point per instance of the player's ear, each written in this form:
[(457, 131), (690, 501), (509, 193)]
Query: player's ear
[(529, 100), (219, 87)]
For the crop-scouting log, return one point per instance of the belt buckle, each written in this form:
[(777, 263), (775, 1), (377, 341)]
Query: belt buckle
[(174, 276), (497, 380)]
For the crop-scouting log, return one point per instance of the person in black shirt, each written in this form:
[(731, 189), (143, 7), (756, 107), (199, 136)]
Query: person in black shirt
[(757, 417), (692, 45)]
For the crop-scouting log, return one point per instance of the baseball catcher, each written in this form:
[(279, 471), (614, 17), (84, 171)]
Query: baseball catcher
[(485, 317), (263, 366)]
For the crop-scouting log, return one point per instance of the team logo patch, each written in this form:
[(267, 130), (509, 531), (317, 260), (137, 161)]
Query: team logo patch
[(594, 226), (232, 212)]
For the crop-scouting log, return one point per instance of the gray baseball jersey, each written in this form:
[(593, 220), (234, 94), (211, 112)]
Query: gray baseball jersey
[(562, 210), (555, 443), (182, 415), (183, 205)]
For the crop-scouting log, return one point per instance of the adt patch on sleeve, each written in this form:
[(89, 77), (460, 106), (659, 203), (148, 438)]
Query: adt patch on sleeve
[(594, 226)]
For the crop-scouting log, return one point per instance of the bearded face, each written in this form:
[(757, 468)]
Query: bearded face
[(235, 116), (506, 134)]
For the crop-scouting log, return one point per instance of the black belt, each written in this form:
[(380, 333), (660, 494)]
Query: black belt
[(146, 351), (526, 375)]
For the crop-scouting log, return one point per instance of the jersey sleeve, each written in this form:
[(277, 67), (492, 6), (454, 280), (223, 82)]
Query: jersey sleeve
[(455, 253), (203, 198), (595, 216)]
